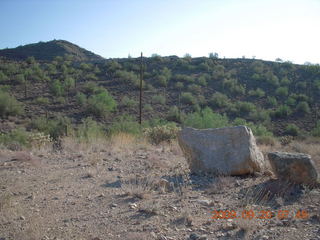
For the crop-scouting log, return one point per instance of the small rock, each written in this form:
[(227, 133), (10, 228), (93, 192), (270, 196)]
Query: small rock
[(113, 205), (194, 236), (205, 202), (133, 205), (22, 218)]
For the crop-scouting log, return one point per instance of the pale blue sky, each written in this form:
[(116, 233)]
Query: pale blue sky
[(267, 29)]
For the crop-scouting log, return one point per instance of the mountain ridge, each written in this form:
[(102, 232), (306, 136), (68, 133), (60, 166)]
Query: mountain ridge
[(47, 51)]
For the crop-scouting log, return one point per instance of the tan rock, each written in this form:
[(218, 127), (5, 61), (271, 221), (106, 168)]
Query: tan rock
[(227, 151)]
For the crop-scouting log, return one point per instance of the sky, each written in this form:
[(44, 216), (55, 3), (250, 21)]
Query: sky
[(261, 29)]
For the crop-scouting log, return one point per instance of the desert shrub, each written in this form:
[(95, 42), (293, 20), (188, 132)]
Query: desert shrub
[(101, 104), (272, 101), (292, 130), (184, 78), (291, 101), (282, 111), (19, 78), (303, 107), (18, 138), (158, 99), (219, 100), (147, 108), (202, 80), (57, 88), (127, 77), (194, 88), (41, 100), (260, 115), (56, 127), (266, 140), (124, 124), (316, 131), (128, 102), (301, 85), (161, 80), (285, 81), (81, 99), (233, 86), (188, 98), (91, 87), (272, 79), (69, 82), (162, 133), (39, 139), (179, 85), (245, 108), (5, 88), (9, 105), (3, 77), (89, 130), (174, 114), (257, 129), (206, 118), (218, 71), (259, 93), (60, 100), (282, 91)]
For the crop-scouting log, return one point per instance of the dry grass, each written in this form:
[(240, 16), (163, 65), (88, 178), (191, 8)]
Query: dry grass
[(138, 187)]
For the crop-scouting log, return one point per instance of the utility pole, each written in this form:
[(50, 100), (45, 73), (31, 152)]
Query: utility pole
[(141, 78)]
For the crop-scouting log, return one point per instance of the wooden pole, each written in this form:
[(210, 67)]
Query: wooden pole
[(140, 101)]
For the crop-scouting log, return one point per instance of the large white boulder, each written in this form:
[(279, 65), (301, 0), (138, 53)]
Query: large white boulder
[(227, 151)]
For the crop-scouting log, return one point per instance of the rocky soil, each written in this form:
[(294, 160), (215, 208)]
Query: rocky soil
[(132, 190)]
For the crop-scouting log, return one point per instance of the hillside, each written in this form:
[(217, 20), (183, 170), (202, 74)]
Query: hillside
[(271, 97), (47, 51)]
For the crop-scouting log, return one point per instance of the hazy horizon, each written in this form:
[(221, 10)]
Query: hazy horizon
[(265, 29)]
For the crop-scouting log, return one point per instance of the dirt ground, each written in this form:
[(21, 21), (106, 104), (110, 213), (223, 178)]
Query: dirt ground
[(128, 189)]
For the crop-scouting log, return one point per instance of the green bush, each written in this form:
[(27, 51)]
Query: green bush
[(56, 128), (128, 102), (57, 88), (245, 108), (303, 107), (91, 87), (17, 138), (89, 130), (101, 104), (188, 98), (158, 99), (147, 108), (266, 140), (259, 93), (61, 100), (282, 111), (41, 100), (292, 130), (162, 133), (174, 115), (3, 77), (316, 131), (127, 77), (125, 124), (219, 100), (282, 91), (9, 106), (81, 99), (206, 119), (272, 101), (19, 78), (257, 129), (194, 88)]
